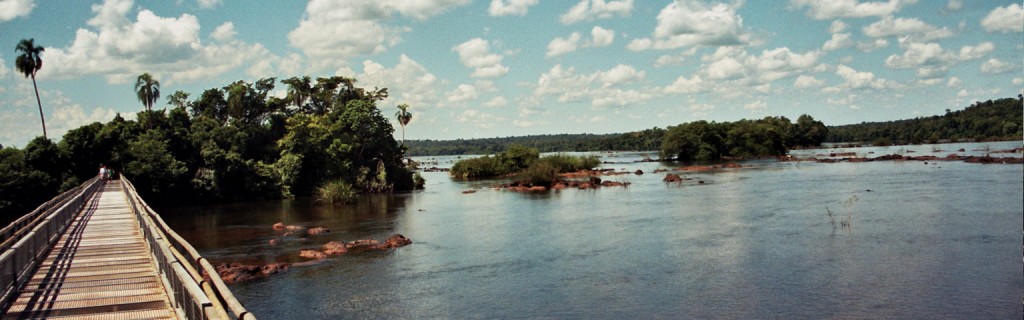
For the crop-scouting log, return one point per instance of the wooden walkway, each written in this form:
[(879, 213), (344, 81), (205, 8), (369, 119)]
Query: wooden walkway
[(100, 269)]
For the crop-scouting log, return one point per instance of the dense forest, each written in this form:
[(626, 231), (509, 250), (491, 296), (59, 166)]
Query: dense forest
[(990, 120), (230, 143)]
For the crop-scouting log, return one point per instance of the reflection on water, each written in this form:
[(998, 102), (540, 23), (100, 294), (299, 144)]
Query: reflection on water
[(937, 240)]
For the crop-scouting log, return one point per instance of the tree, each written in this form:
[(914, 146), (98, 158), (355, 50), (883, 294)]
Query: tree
[(29, 63), (404, 116), (147, 89), (299, 90), (178, 99)]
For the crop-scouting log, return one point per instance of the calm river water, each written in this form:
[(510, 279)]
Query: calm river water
[(936, 240)]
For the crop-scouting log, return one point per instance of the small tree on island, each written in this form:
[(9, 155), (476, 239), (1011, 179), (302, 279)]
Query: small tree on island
[(404, 116), (28, 63)]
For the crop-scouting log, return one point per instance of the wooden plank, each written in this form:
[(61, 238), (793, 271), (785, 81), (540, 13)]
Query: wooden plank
[(101, 268)]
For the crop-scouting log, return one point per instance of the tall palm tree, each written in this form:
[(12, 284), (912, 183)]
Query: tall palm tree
[(28, 63), (148, 90), (403, 117)]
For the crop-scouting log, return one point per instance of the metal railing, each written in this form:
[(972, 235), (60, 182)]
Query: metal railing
[(26, 242), (193, 284)]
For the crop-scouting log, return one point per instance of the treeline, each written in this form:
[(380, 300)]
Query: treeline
[(230, 143), (989, 120), (981, 121)]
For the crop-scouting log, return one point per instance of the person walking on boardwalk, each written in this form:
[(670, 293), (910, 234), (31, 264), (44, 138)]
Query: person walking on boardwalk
[(103, 172)]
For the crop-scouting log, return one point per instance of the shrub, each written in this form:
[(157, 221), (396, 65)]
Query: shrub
[(566, 163), (336, 191), (540, 173)]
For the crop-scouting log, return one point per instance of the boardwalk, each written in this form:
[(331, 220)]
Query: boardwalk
[(100, 269)]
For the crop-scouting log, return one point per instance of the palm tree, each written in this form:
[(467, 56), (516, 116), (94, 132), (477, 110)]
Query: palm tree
[(299, 90), (148, 90), (403, 117), (29, 63)]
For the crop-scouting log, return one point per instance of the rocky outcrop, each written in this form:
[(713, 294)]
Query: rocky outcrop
[(672, 177), (317, 230), (237, 272)]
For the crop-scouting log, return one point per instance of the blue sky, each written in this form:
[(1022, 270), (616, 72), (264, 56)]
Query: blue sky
[(496, 68)]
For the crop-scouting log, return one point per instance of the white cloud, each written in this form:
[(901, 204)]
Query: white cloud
[(209, 4), (560, 46), (407, 81), (476, 54), (838, 41), (10, 9), (976, 52), (333, 31), (1005, 19), (496, 102), (683, 85), (954, 82), (868, 46), (510, 7), (921, 54), (601, 88), (620, 74), (587, 10), (906, 27), (478, 119), (1018, 81), (833, 9), (756, 105), (225, 32), (993, 66), (859, 80), (3, 70), (601, 37), (169, 48), (462, 93), (690, 23), (807, 82), (727, 68), (837, 27)]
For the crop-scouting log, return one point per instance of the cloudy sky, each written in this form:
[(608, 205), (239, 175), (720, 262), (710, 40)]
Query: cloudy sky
[(495, 68)]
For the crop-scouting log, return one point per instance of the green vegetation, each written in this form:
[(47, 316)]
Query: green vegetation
[(982, 121), (771, 136), (230, 143), (990, 120), (524, 161)]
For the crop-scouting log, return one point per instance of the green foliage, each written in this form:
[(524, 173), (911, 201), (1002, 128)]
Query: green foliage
[(990, 120), (337, 191), (231, 143), (523, 161), (540, 173)]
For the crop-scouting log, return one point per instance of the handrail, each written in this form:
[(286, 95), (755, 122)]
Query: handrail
[(13, 231), (198, 291), (34, 237)]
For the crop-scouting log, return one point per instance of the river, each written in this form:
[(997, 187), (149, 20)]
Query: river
[(925, 240)]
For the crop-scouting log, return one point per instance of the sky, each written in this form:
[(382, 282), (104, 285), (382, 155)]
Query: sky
[(497, 68)]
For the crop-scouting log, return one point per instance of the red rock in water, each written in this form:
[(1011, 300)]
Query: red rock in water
[(362, 245), (312, 254), (279, 226), (274, 241), (397, 240), (335, 248), (672, 177), (236, 272), (317, 230)]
